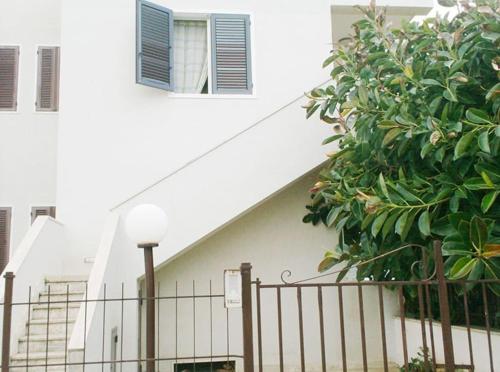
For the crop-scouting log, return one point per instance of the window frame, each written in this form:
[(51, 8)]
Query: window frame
[(37, 110), (205, 14)]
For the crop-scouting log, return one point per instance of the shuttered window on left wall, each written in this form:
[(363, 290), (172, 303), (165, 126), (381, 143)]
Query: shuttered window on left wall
[(5, 223), (9, 66), (47, 91), (42, 211)]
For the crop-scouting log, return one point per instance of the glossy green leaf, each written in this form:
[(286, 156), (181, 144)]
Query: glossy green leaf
[(378, 223), (332, 138), (488, 201), (478, 233), (463, 144), (424, 224), (477, 116), (462, 267), (391, 136), (484, 142)]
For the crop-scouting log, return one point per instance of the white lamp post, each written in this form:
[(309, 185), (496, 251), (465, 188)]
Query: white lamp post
[(146, 225)]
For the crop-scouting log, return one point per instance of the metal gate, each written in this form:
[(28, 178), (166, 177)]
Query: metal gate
[(311, 312)]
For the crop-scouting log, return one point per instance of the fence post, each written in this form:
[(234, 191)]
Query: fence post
[(7, 319), (246, 297), (444, 310)]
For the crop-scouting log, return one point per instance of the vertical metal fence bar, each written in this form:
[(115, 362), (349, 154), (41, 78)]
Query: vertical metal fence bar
[(362, 326), (444, 308), (425, 260), (246, 280), (47, 331), (342, 328), (421, 311), (66, 329), (487, 324), (121, 328), (194, 329), (467, 324), (28, 326), (280, 329), (211, 329), (7, 320), (403, 326), (103, 326), (176, 325), (382, 326), (259, 324), (158, 327), (301, 330), (85, 326), (227, 334), (321, 328)]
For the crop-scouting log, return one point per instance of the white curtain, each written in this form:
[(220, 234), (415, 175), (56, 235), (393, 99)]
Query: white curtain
[(190, 56)]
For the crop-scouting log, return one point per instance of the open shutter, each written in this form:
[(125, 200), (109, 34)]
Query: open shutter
[(42, 211), (47, 96), (5, 215), (155, 25), (9, 60), (231, 67)]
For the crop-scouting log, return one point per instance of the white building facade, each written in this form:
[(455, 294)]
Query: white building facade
[(194, 106)]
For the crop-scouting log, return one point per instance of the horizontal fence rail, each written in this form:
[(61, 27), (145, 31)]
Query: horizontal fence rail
[(194, 330)]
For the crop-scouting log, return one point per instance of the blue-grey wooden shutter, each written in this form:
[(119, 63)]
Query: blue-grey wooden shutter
[(231, 61), (9, 64), (155, 26), (47, 92)]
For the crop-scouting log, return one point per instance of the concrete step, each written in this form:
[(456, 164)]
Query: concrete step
[(37, 361), (60, 296), (56, 326), (38, 343), (57, 311), (62, 283)]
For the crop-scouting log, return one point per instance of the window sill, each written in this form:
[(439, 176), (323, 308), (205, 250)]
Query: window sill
[(211, 96)]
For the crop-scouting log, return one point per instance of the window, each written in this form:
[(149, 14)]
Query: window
[(173, 53), (47, 89), (5, 215), (205, 367), (42, 211), (9, 61)]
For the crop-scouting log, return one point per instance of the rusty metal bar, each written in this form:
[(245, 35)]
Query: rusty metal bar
[(280, 329), (444, 308), (66, 329), (321, 329), (403, 326), (7, 320), (467, 324), (342, 329), (301, 330), (150, 307), (47, 332), (121, 329), (421, 311), (194, 329), (362, 326), (259, 324), (487, 324), (382, 327), (103, 324), (246, 294), (28, 326), (158, 325)]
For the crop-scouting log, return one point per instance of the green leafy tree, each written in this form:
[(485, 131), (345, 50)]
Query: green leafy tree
[(415, 112)]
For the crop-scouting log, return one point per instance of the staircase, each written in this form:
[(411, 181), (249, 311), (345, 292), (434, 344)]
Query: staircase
[(50, 324)]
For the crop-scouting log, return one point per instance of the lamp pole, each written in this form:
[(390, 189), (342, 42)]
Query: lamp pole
[(146, 225), (150, 305)]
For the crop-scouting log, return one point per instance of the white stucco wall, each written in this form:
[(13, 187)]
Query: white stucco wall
[(117, 137), (272, 238), (28, 139)]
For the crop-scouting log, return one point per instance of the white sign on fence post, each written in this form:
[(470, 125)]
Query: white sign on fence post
[(232, 288)]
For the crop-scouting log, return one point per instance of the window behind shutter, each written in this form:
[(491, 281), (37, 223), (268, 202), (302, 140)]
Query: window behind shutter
[(9, 58), (42, 211), (231, 70), (5, 215), (47, 98), (155, 26)]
